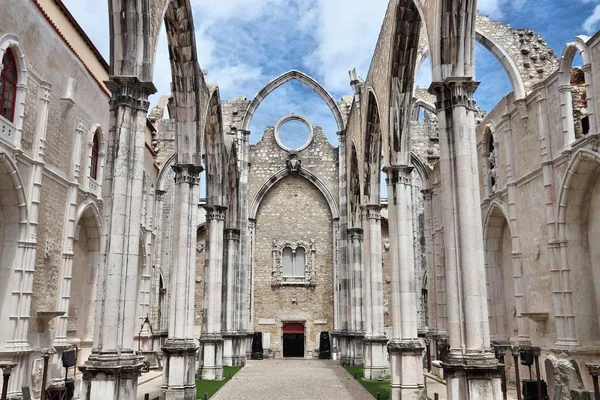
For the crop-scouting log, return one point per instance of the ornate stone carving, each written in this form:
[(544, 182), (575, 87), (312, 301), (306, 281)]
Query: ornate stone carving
[(386, 244), (200, 248), (309, 278), (129, 91), (215, 213), (293, 163), (189, 174)]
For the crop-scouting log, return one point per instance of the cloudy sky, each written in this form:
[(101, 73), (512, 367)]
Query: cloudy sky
[(243, 44)]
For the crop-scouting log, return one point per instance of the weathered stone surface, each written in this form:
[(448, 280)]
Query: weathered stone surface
[(563, 376)]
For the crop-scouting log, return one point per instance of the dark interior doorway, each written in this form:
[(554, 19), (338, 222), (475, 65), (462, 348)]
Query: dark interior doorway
[(293, 339)]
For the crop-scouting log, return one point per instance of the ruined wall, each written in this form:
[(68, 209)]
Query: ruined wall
[(294, 210)]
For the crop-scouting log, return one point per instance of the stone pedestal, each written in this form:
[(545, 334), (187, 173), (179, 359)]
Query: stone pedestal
[(227, 349), (406, 370), (473, 377), (111, 376), (376, 363), (179, 377), (212, 356)]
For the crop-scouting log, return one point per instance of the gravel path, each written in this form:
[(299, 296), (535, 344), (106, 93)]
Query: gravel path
[(294, 380)]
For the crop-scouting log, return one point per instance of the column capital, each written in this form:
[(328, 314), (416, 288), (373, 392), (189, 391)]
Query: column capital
[(129, 91), (215, 213), (7, 366), (187, 173), (160, 195), (372, 211), (454, 92), (399, 174), (232, 234), (355, 233), (244, 134), (593, 369)]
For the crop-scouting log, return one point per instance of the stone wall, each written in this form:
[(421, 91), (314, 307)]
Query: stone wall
[(294, 210)]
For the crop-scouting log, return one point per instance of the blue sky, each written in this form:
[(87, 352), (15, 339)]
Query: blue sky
[(243, 44)]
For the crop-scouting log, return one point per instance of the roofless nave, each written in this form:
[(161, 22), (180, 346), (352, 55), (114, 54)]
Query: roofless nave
[(103, 231)]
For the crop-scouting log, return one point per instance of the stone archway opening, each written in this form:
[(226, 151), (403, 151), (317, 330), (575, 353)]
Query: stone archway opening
[(82, 304)]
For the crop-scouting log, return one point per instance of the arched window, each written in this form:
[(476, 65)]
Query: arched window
[(95, 158), (8, 85)]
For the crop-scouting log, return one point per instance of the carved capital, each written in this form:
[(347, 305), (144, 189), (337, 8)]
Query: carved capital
[(593, 369), (355, 234), (130, 92), (373, 212), (399, 174), (454, 92), (215, 213), (187, 173), (160, 195), (232, 234)]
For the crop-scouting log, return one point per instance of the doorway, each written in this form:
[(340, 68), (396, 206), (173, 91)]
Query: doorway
[(293, 339)]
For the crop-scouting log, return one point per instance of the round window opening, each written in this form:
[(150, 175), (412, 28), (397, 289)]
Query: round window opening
[(293, 133)]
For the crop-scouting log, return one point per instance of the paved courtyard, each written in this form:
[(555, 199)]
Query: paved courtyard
[(293, 379)]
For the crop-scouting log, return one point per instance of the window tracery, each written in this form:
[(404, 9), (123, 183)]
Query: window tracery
[(8, 85), (293, 263)]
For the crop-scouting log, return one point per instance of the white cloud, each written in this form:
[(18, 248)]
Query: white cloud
[(346, 33), (591, 23), (92, 16)]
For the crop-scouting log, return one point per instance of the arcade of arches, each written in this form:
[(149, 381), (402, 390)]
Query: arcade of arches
[(429, 237)]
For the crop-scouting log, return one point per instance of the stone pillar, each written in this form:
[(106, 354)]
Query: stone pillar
[(566, 114), (356, 333), (594, 371), (341, 328), (180, 347), (406, 352), (232, 242), (242, 315), (513, 214), (211, 339), (111, 372), (375, 340), (472, 370)]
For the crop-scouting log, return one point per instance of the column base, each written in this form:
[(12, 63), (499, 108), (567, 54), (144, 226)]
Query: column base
[(111, 375), (211, 357), (376, 363), (407, 381), (473, 377), (239, 350), (354, 355), (179, 381), (227, 350)]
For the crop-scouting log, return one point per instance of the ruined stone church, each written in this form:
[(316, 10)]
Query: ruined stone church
[(479, 254)]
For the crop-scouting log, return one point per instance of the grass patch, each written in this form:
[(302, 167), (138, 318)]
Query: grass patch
[(211, 387), (373, 387)]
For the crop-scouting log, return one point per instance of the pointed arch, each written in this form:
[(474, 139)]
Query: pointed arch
[(372, 151), (214, 149), (282, 173), (15, 127), (495, 224), (505, 60), (354, 193), (232, 193), (283, 79)]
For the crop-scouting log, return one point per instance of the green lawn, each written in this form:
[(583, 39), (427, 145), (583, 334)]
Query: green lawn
[(383, 387), (211, 387)]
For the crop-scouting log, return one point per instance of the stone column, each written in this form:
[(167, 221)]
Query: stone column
[(111, 372), (356, 334), (244, 286), (430, 261), (341, 284), (566, 114), (594, 371), (180, 347), (406, 352), (472, 370), (513, 214), (211, 339), (375, 339), (232, 242)]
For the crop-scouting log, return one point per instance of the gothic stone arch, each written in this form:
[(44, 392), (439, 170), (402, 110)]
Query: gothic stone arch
[(281, 80)]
